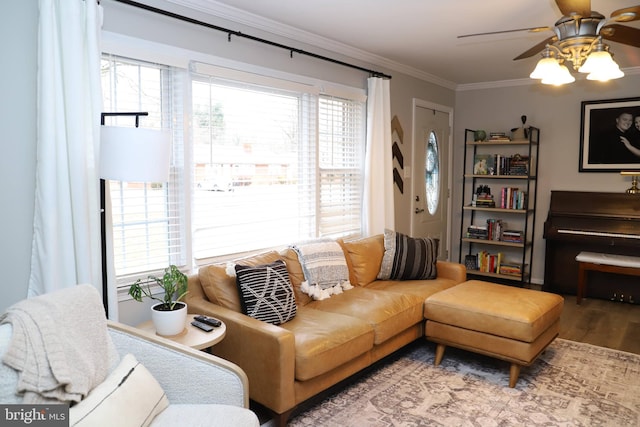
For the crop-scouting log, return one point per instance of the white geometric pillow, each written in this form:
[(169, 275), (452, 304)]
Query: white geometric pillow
[(130, 396), (266, 293)]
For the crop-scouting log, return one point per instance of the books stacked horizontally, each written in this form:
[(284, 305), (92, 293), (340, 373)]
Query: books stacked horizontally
[(484, 201), (509, 269), (512, 236), (477, 232), (498, 136)]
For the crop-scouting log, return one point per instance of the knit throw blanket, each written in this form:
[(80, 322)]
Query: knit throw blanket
[(60, 345), (324, 267)]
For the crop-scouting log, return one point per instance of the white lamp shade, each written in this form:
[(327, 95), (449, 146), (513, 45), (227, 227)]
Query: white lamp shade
[(544, 68), (560, 77), (598, 61), (134, 154), (605, 76)]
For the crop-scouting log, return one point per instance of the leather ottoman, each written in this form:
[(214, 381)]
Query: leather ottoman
[(509, 323)]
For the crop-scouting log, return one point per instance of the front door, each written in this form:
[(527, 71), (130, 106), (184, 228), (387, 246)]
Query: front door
[(430, 173)]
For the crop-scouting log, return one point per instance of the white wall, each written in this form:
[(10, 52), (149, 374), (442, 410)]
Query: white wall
[(18, 31), (556, 111)]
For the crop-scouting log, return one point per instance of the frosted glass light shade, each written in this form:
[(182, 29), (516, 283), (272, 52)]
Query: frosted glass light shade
[(545, 68), (598, 61), (134, 154), (560, 77)]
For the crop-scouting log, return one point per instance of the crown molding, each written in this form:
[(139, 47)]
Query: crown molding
[(255, 21), (214, 8)]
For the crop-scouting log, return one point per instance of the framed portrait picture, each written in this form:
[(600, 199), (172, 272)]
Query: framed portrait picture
[(610, 135)]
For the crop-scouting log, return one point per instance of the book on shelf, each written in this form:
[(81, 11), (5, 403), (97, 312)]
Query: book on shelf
[(484, 201), (512, 236), (494, 228), (519, 165), (510, 269), (498, 136), (477, 232), (500, 164), (513, 198), (488, 262)]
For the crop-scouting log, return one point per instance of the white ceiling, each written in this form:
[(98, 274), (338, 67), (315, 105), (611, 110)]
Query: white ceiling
[(418, 37)]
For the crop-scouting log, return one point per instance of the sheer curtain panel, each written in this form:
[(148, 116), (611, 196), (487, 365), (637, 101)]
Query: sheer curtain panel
[(378, 203), (66, 239)]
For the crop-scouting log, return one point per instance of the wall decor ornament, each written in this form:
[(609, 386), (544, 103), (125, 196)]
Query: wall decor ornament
[(397, 137)]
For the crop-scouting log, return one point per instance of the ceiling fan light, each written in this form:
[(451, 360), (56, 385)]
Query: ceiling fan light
[(546, 67), (560, 77), (605, 76), (598, 61)]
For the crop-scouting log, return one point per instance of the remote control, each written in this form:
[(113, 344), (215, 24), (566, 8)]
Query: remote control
[(208, 320), (202, 326)]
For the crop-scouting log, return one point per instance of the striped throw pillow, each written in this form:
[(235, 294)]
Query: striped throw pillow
[(408, 258)]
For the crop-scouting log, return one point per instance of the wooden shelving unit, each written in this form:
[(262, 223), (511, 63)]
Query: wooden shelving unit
[(521, 219)]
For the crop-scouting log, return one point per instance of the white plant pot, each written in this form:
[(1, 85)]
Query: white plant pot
[(169, 323)]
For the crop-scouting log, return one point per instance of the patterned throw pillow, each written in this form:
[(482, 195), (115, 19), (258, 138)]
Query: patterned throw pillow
[(266, 293), (408, 258)]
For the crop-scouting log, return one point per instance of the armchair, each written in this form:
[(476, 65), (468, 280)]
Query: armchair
[(202, 389)]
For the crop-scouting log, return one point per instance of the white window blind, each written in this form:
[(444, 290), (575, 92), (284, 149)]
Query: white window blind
[(341, 137), (273, 165), (263, 162), (254, 155), (147, 218)]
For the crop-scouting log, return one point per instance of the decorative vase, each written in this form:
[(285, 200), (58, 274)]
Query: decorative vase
[(479, 135), (169, 322)]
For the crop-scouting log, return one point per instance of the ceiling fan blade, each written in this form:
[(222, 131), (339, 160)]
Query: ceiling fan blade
[(532, 29), (580, 7), (621, 34), (627, 14), (536, 49)]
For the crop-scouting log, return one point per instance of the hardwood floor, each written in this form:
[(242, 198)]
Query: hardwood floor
[(601, 322)]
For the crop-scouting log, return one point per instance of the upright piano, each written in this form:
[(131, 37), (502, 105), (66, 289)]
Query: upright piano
[(595, 222)]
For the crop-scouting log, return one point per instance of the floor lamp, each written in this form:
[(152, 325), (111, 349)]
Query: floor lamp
[(131, 154)]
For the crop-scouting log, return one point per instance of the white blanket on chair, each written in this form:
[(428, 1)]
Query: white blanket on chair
[(60, 345)]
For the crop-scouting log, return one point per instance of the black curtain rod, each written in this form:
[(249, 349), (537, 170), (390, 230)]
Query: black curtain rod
[(247, 36)]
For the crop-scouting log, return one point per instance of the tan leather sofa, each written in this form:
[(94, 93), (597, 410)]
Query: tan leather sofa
[(328, 340)]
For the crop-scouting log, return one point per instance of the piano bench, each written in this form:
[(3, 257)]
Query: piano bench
[(606, 263), (505, 322)]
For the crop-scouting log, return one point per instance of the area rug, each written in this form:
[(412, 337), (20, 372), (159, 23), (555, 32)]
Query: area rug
[(570, 384)]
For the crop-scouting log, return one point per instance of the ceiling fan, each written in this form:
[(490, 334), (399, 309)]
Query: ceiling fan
[(578, 35)]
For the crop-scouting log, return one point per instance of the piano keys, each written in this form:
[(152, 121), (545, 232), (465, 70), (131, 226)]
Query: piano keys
[(595, 222)]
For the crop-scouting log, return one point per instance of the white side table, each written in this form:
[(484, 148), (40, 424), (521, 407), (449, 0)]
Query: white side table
[(191, 336)]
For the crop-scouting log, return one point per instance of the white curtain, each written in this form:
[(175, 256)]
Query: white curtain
[(378, 209), (66, 240)]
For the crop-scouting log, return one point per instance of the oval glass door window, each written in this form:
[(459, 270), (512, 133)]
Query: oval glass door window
[(432, 174)]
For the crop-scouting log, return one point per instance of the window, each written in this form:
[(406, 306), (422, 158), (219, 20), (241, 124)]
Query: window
[(264, 163), (147, 219), (272, 166), (432, 174)]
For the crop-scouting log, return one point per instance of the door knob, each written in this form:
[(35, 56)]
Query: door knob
[(419, 210)]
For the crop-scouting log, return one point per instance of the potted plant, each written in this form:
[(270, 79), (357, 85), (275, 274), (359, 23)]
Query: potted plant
[(169, 315)]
